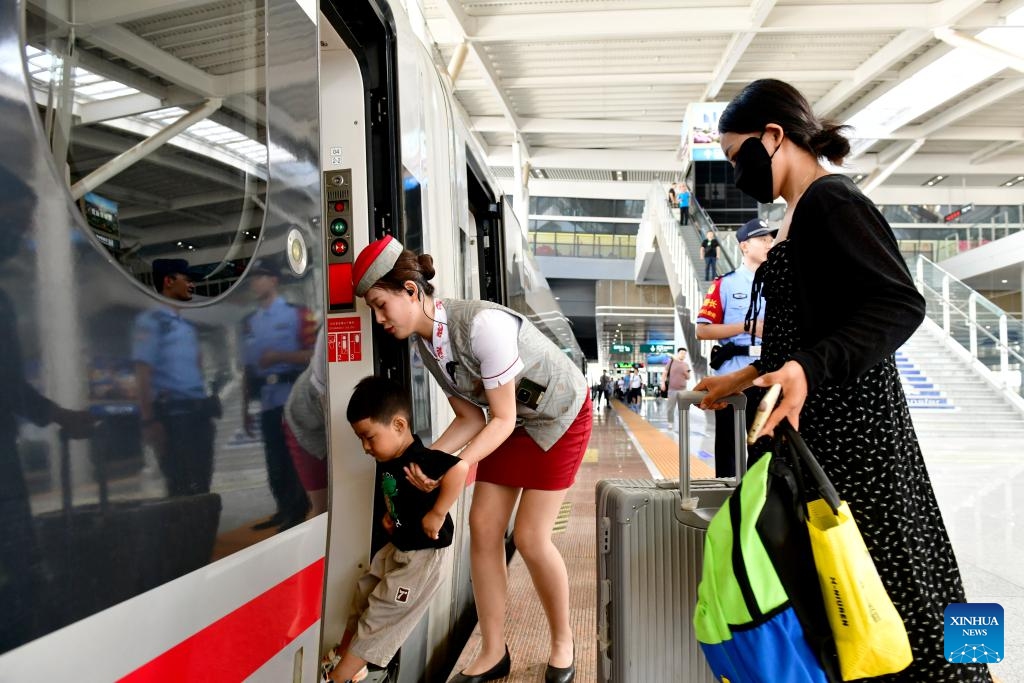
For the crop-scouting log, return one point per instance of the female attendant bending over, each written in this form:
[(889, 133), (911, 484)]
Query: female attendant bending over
[(486, 356)]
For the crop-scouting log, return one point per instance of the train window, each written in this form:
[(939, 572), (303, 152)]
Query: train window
[(157, 123)]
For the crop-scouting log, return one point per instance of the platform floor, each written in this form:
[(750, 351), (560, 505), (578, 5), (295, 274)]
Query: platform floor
[(976, 492)]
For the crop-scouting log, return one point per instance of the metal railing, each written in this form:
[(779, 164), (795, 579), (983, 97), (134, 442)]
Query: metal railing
[(660, 231), (988, 333)]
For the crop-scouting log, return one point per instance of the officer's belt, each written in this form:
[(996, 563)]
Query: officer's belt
[(165, 407), (275, 378), (720, 354)]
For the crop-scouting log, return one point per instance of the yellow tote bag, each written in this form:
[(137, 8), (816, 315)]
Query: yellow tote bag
[(869, 633)]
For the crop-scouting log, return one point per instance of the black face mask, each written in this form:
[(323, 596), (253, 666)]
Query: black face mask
[(753, 171)]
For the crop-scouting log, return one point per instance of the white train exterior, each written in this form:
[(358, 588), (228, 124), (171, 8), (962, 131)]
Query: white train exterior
[(215, 132)]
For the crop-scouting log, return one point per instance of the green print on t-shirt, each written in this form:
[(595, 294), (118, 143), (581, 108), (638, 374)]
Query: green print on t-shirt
[(389, 487)]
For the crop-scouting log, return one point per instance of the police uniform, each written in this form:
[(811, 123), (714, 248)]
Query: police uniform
[(169, 345), (280, 327), (726, 303)]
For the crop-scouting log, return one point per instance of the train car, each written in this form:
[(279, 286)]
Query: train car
[(183, 187)]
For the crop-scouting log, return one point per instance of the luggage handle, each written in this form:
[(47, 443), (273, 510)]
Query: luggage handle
[(690, 398)]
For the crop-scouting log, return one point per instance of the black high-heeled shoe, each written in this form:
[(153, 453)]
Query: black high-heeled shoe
[(499, 670), (562, 674)]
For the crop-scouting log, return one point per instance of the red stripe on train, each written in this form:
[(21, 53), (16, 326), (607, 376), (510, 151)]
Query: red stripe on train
[(239, 643)]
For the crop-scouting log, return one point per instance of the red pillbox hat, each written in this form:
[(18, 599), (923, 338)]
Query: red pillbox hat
[(374, 262)]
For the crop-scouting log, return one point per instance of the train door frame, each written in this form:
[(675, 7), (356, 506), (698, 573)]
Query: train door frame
[(366, 60), (490, 234), (367, 28)]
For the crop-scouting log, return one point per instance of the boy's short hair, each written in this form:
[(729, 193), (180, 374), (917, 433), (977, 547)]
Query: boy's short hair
[(379, 399)]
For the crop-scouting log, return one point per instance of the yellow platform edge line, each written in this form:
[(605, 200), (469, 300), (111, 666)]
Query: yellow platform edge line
[(661, 449)]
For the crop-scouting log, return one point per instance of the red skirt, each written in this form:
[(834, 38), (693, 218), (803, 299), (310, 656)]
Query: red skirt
[(311, 470), (521, 463)]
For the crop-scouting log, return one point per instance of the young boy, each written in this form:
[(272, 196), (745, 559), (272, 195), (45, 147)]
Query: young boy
[(406, 572)]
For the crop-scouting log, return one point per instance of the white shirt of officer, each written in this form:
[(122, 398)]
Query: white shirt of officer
[(728, 298)]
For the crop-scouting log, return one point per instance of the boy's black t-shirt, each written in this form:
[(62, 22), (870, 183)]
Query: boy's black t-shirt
[(407, 504)]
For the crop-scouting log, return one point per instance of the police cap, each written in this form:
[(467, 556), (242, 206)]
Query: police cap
[(754, 228)]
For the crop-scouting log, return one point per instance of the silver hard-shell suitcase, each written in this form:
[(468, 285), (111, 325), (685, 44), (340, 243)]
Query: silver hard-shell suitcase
[(650, 550)]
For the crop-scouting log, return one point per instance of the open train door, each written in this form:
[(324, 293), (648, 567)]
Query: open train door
[(361, 176)]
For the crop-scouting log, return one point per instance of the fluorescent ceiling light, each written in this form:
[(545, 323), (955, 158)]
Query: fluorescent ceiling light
[(942, 80), (1013, 181), (935, 180)]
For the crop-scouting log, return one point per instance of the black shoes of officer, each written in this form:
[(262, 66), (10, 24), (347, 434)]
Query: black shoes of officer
[(560, 674), (276, 520), (499, 670)]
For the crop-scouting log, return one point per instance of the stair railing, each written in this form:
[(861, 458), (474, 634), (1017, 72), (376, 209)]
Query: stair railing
[(967, 319), (659, 230)]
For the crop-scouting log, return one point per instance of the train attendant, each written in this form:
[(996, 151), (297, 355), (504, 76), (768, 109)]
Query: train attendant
[(488, 357)]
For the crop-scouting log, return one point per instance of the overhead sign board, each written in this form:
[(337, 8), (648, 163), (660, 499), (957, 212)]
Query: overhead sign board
[(622, 348), (656, 348), (953, 215)]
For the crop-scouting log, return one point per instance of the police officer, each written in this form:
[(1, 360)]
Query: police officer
[(278, 339), (177, 415), (722, 318)]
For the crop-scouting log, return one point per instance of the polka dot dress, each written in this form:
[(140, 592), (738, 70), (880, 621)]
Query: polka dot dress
[(864, 439)]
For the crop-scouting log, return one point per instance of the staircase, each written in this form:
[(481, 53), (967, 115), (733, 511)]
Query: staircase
[(955, 410)]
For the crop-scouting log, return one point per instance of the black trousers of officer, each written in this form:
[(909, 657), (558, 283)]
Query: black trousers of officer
[(725, 439), (187, 460), (285, 485)]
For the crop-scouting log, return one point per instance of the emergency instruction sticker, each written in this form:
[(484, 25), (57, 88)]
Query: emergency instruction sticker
[(344, 340)]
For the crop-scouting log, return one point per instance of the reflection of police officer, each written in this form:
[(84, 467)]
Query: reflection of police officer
[(278, 339), (721, 318), (177, 416), (21, 567)]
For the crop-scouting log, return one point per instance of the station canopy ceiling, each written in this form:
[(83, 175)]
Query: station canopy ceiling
[(595, 90)]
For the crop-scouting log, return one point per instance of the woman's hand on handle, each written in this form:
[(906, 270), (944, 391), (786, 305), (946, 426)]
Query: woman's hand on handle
[(794, 392), (719, 386)]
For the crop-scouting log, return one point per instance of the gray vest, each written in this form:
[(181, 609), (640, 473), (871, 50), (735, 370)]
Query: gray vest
[(545, 365), (304, 412)]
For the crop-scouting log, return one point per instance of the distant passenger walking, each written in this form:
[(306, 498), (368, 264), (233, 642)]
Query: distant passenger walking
[(683, 197), (839, 302), (674, 379), (709, 252)]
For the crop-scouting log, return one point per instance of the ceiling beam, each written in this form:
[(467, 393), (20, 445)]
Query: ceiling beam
[(993, 150), (603, 159), (610, 78), (498, 124), (738, 44), (696, 20), (882, 60), (457, 17), (975, 102), (878, 176), (1012, 60), (947, 164), (1002, 133), (906, 43), (896, 194)]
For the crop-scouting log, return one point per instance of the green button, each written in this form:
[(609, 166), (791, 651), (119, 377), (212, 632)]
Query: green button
[(339, 226)]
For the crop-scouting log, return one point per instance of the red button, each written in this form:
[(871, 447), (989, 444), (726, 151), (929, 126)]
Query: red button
[(339, 247), (339, 206)]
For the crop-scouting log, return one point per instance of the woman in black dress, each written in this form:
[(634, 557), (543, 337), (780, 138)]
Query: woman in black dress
[(839, 302)]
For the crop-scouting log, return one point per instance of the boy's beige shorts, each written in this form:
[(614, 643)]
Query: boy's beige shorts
[(392, 597)]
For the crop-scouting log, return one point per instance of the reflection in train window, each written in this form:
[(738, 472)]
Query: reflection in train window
[(158, 170)]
